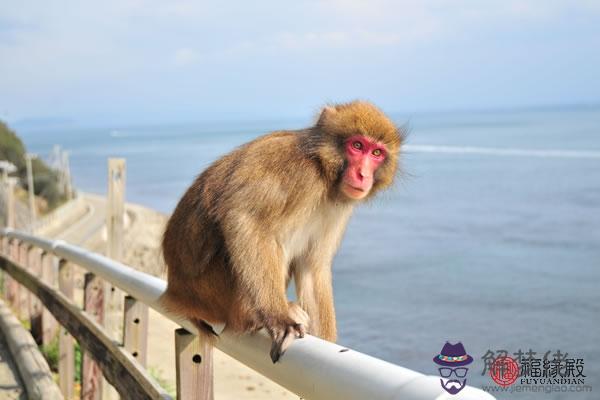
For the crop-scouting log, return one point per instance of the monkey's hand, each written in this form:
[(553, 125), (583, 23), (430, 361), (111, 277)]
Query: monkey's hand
[(285, 331)]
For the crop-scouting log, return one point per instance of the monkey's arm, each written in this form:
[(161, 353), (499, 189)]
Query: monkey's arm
[(258, 265)]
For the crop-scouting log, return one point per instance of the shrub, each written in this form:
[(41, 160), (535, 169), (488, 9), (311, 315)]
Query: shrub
[(45, 179)]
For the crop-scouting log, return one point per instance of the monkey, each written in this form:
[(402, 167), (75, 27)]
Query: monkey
[(274, 209)]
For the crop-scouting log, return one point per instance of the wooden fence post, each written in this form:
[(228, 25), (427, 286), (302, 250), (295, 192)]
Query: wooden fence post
[(91, 375), (10, 202), (5, 246), (23, 298), (194, 366), (113, 297), (15, 286), (4, 276), (135, 329), (34, 261), (30, 190), (66, 355), (116, 208), (115, 216), (66, 172), (11, 287), (49, 276)]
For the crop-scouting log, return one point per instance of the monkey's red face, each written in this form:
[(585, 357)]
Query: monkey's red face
[(364, 157)]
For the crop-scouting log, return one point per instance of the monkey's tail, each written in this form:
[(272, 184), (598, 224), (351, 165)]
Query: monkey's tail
[(205, 331), (204, 328)]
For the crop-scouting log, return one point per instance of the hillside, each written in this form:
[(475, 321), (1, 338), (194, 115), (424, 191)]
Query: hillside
[(45, 179)]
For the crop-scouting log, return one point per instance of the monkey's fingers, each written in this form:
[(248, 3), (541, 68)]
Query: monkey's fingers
[(281, 342), (300, 330)]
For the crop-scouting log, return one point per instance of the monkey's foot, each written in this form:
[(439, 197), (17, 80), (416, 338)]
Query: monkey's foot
[(283, 334)]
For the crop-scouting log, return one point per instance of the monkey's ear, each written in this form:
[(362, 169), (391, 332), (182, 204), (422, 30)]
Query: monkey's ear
[(328, 110), (326, 113)]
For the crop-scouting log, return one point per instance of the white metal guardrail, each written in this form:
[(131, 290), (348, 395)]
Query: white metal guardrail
[(312, 368)]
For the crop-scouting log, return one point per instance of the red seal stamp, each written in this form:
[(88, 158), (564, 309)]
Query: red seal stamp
[(504, 371)]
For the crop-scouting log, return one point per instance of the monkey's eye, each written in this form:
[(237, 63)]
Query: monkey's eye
[(376, 152), (357, 145)]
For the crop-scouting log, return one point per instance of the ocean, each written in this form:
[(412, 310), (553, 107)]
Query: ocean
[(491, 236)]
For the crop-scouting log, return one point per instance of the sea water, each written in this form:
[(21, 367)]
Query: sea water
[(491, 236)]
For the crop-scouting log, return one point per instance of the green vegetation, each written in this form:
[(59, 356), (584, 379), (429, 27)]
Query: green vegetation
[(45, 179), (163, 382), (26, 323), (51, 354), (78, 361)]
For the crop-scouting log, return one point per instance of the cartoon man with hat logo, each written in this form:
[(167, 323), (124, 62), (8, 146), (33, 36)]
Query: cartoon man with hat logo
[(453, 359)]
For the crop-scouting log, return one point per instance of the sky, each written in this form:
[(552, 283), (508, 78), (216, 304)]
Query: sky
[(151, 61)]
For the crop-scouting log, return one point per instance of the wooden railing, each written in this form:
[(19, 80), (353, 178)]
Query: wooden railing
[(311, 368)]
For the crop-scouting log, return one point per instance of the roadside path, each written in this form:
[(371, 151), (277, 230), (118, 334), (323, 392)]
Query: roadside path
[(88, 227), (11, 386)]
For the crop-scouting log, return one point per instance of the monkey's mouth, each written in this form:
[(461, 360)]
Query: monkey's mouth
[(354, 192), (352, 187), (355, 188)]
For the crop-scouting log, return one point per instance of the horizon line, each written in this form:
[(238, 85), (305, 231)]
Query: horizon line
[(57, 122)]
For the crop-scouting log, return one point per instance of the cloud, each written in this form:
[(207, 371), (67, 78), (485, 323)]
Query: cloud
[(55, 56)]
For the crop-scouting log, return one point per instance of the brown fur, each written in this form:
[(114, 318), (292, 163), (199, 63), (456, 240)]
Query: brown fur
[(270, 210)]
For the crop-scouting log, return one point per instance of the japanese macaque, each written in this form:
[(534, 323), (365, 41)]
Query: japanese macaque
[(273, 209)]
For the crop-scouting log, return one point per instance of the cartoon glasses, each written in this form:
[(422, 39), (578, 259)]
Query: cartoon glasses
[(447, 372)]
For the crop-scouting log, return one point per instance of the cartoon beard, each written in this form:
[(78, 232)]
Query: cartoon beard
[(453, 386)]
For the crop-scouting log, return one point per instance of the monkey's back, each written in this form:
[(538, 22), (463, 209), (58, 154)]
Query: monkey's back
[(266, 180)]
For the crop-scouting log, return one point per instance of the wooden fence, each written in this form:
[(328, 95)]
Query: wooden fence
[(42, 270)]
